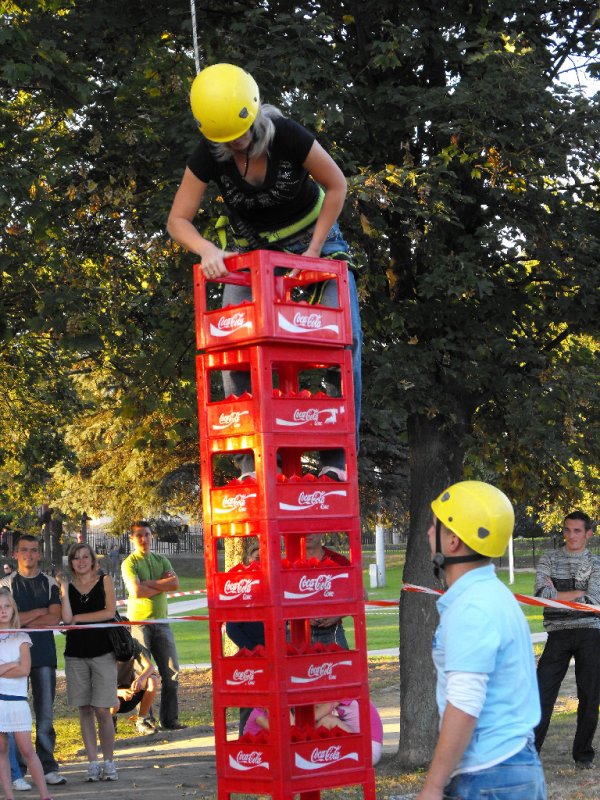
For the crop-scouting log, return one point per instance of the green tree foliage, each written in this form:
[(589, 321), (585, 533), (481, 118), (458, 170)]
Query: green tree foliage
[(470, 150)]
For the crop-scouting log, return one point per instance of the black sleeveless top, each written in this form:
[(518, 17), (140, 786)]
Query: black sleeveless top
[(88, 643)]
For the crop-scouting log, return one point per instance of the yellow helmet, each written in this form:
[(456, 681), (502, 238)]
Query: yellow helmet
[(225, 101), (479, 514)]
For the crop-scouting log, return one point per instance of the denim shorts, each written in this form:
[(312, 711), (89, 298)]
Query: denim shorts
[(520, 777)]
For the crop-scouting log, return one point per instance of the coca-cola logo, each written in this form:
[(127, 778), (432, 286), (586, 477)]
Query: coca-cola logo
[(318, 672), (246, 761), (233, 502), (234, 321), (322, 758), (322, 583), (330, 754), (319, 584), (231, 420), (236, 589), (310, 415), (316, 498), (228, 325), (243, 677), (312, 321)]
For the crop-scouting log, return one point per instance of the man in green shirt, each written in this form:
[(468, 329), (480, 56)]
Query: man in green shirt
[(148, 577)]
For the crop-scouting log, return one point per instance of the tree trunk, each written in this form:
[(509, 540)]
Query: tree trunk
[(234, 554), (436, 455)]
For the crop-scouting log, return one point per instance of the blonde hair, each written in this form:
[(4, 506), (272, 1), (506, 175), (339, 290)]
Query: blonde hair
[(262, 130), (15, 622)]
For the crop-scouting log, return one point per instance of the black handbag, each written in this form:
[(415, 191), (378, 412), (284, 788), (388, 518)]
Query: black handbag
[(121, 640)]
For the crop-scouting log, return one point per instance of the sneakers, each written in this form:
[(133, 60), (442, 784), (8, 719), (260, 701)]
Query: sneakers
[(144, 726), (176, 726), (54, 779), (94, 772), (585, 765), (21, 785), (334, 474), (109, 771)]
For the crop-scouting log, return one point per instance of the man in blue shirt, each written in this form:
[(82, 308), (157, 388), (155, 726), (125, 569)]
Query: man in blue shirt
[(486, 689)]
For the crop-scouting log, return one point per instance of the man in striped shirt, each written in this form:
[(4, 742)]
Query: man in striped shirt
[(571, 573)]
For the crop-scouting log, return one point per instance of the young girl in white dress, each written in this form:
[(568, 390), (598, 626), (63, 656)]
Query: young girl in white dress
[(15, 716)]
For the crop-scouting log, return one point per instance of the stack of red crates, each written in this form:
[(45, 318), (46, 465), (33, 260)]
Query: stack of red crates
[(281, 340)]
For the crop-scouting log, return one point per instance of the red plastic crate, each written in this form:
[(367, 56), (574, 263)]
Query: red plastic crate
[(272, 314), (285, 409), (310, 760), (300, 499), (317, 672), (247, 675)]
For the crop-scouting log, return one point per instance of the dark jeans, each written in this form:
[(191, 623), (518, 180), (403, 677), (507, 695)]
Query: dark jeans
[(582, 644), (43, 690), (333, 634), (158, 638)]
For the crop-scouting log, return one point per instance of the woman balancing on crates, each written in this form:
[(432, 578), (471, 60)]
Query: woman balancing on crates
[(282, 191)]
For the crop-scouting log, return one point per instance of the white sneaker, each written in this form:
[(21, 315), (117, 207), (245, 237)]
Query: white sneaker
[(94, 772), (334, 474), (21, 785), (109, 771), (54, 779)]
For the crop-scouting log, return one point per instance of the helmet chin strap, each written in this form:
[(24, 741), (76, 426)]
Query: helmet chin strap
[(440, 561)]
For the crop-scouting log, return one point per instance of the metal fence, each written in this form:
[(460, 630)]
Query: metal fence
[(527, 551), (188, 541)]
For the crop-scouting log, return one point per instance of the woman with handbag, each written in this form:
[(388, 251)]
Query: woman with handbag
[(90, 662)]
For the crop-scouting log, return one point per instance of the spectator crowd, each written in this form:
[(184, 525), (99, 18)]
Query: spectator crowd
[(471, 524)]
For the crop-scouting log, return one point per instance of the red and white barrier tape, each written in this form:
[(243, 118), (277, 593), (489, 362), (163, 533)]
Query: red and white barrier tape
[(171, 595), (525, 599), (406, 587)]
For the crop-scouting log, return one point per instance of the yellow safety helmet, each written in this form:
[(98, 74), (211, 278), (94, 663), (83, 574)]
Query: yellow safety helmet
[(225, 101), (479, 514)]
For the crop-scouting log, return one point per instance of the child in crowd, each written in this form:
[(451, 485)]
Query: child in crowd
[(344, 715), (15, 715), (347, 712)]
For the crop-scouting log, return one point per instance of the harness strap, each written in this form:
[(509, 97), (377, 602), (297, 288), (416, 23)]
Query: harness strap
[(270, 237)]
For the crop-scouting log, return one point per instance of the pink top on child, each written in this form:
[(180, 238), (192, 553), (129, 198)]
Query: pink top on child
[(348, 712)]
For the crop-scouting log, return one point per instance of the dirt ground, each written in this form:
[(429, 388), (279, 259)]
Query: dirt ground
[(181, 764)]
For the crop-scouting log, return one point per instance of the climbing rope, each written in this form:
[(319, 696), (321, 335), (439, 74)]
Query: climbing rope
[(195, 35)]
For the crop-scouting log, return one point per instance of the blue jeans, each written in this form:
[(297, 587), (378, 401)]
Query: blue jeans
[(239, 382), (15, 768), (159, 640), (334, 634), (520, 777), (43, 689)]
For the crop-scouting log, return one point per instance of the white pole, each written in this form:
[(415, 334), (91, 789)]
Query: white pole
[(511, 562), (380, 555)]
